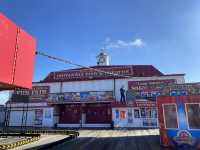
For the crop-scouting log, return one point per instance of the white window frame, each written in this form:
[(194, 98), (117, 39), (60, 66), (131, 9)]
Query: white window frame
[(176, 114), (187, 115)]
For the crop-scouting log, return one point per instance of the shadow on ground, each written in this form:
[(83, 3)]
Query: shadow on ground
[(114, 143)]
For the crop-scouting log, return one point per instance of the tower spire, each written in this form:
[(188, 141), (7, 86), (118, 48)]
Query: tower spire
[(102, 58)]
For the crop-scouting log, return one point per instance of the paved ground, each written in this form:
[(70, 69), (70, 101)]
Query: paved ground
[(114, 140), (104, 140)]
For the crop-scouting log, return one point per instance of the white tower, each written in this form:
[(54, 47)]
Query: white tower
[(102, 59)]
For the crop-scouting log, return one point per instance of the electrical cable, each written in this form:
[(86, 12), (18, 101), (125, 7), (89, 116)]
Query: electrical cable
[(78, 65)]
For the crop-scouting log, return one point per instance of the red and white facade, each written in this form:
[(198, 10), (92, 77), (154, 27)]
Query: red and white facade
[(86, 98)]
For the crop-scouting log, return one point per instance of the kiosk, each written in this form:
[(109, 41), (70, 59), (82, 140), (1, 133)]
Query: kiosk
[(179, 116)]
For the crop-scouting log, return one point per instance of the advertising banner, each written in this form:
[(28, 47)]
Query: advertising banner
[(81, 96), (38, 93), (181, 89), (20, 95), (147, 89)]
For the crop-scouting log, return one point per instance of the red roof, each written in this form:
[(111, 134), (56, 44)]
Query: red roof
[(82, 74)]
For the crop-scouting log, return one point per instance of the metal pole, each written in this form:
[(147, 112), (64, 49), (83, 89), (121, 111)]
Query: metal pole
[(114, 86)]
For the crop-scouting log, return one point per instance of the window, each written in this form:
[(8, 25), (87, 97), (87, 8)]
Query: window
[(148, 113), (154, 113), (193, 115), (136, 113), (130, 116), (170, 116), (143, 113), (117, 114)]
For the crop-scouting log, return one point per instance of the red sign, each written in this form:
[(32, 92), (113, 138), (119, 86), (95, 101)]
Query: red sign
[(149, 85), (91, 74), (39, 93), (147, 89)]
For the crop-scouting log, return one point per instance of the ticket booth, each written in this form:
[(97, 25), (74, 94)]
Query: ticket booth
[(179, 119)]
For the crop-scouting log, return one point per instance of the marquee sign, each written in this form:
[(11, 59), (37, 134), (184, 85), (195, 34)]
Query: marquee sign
[(84, 74)]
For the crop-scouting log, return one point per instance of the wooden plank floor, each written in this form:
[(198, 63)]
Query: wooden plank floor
[(114, 140)]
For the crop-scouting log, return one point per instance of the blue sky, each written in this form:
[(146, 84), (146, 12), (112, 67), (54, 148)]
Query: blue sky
[(165, 34)]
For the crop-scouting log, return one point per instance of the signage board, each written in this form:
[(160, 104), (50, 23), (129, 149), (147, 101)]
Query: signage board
[(181, 89), (149, 89), (88, 74), (92, 96), (38, 93)]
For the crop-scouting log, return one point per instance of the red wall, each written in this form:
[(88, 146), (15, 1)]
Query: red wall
[(98, 113), (70, 114), (95, 113)]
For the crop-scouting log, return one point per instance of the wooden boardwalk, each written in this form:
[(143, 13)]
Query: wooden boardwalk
[(114, 140)]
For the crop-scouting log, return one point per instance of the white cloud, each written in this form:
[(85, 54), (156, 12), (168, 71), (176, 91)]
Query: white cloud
[(124, 44), (138, 43)]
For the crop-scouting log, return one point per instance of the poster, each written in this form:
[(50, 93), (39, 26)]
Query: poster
[(81, 96), (122, 115), (56, 97), (72, 96), (181, 89), (38, 117)]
